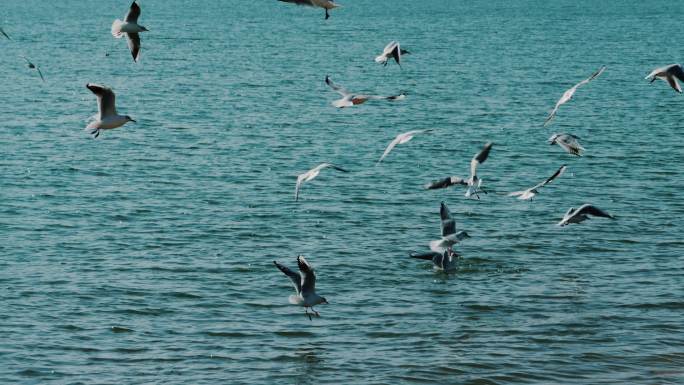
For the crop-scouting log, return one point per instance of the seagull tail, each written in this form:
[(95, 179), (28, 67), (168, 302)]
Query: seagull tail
[(116, 29)]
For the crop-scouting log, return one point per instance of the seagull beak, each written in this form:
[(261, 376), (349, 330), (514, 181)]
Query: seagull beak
[(134, 121)]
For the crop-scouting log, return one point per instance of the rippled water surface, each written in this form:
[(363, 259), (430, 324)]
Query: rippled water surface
[(145, 256)]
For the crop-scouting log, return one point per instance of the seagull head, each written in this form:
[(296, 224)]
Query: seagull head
[(324, 301), (462, 235), (143, 29), (129, 119)]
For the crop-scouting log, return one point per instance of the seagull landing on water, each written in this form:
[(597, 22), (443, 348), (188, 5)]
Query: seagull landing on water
[(567, 95), (311, 174), (401, 139), (35, 67), (532, 191), (473, 183), (349, 99), (325, 4), (670, 74), (131, 29), (567, 142), (107, 118), (392, 50), (582, 214), (304, 285), (450, 236), (445, 261)]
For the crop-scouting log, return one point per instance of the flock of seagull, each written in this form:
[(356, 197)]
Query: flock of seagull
[(441, 251)]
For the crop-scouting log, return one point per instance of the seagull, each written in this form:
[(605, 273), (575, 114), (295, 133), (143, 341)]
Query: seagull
[(304, 285), (567, 142), (33, 66), (107, 118), (567, 95), (532, 191), (130, 28), (325, 4), (581, 214), (311, 174), (349, 99), (392, 50), (473, 183), (450, 236), (442, 261), (401, 139), (670, 74), (3, 33)]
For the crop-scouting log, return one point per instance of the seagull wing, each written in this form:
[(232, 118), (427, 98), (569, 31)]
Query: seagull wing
[(396, 54), (428, 256), (448, 223), (300, 180), (480, 158), (593, 210), (339, 89), (133, 40), (40, 73), (672, 81), (570, 145), (309, 280), (389, 47), (295, 277), (133, 14), (105, 99), (555, 175), (2, 31), (390, 146), (676, 71), (309, 3), (590, 78), (446, 182)]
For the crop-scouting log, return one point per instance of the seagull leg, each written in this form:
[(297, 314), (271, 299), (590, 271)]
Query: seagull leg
[(307, 314), (315, 312), (327, 15)]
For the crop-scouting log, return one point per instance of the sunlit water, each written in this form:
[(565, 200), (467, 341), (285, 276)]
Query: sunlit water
[(145, 256)]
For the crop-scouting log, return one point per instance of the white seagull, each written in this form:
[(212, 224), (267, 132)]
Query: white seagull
[(131, 29), (670, 74), (401, 139), (311, 174), (581, 214), (325, 4), (35, 67), (532, 191), (392, 50), (304, 285), (441, 261), (450, 236), (107, 118), (349, 99), (567, 142), (567, 95), (473, 183)]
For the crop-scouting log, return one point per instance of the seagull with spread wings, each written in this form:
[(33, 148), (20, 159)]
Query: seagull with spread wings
[(401, 139), (582, 214), (392, 50), (131, 29), (532, 191), (450, 236), (305, 285), (35, 67), (311, 174), (568, 142), (325, 4), (349, 99), (670, 74), (107, 117), (444, 261), (473, 183), (567, 95)]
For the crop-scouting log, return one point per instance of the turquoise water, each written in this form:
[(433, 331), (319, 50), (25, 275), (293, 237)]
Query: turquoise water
[(145, 256)]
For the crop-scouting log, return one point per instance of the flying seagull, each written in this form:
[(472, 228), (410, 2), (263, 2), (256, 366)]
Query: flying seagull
[(441, 261), (311, 174), (33, 66), (670, 74), (567, 95), (401, 139), (582, 213), (532, 191), (392, 50), (3, 33), (473, 183), (349, 99), (325, 4), (450, 236), (567, 142), (107, 118), (131, 29), (305, 285)]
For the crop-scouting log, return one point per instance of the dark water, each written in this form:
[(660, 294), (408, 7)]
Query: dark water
[(145, 256)]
